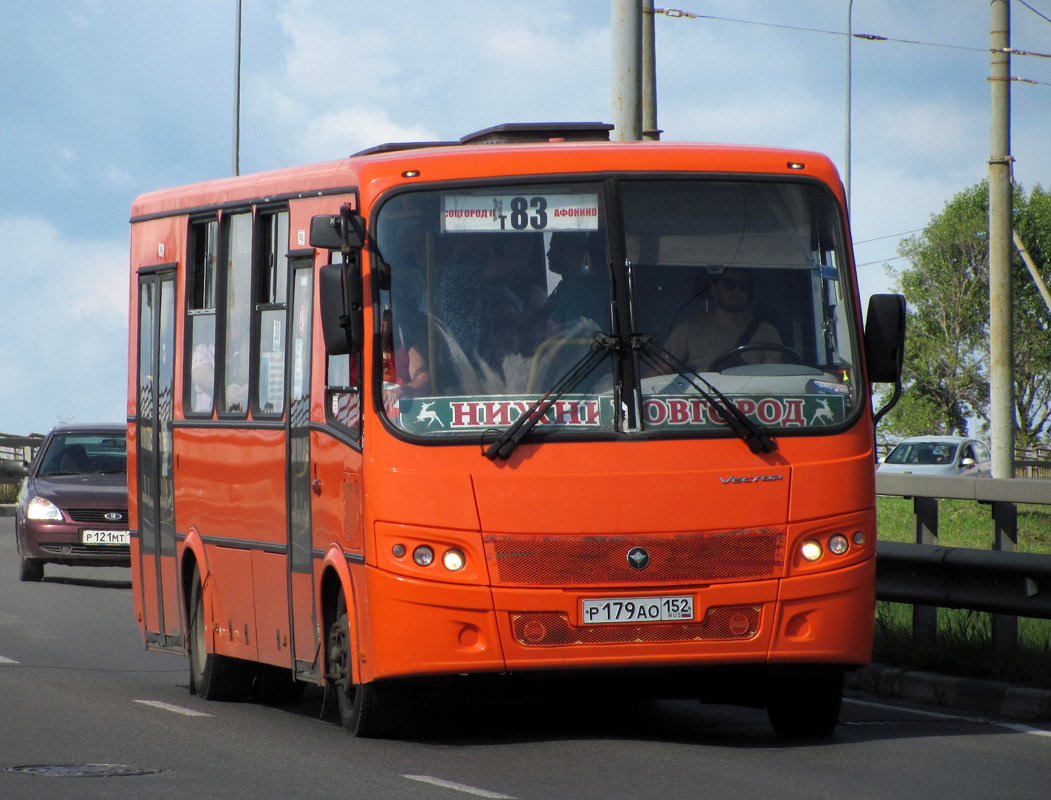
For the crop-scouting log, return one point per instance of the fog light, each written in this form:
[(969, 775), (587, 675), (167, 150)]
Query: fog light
[(859, 538), (838, 544), (811, 550), (423, 555), (398, 550), (453, 560)]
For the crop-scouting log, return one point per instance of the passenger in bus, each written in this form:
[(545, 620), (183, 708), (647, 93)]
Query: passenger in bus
[(202, 375), (405, 372), (731, 323), (478, 315), (582, 293)]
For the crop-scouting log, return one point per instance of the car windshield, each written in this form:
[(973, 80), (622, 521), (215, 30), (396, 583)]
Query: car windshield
[(84, 454), (923, 453), (490, 296)]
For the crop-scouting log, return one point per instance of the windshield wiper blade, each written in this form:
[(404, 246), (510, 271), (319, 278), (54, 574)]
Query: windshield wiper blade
[(756, 436), (508, 440)]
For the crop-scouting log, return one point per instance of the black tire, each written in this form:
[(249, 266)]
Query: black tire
[(367, 710), (805, 706), (212, 676), (276, 686), (31, 571)]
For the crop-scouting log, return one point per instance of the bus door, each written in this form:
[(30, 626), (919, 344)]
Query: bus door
[(153, 442), (303, 614)]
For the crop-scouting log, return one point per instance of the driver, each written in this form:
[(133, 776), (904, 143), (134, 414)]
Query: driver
[(700, 338)]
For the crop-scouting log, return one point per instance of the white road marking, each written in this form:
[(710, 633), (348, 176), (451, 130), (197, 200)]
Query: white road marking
[(458, 787), (186, 712), (7, 660), (1014, 726)]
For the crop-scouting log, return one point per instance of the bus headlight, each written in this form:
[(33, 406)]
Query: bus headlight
[(423, 556), (810, 550), (44, 509), (838, 544), (453, 560)]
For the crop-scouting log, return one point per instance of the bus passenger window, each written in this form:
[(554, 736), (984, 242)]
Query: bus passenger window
[(237, 232), (200, 389), (343, 392), (271, 275)]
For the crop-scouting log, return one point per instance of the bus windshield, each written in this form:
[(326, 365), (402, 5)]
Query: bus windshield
[(491, 295)]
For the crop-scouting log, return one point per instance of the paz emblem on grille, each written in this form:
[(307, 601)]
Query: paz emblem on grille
[(638, 558)]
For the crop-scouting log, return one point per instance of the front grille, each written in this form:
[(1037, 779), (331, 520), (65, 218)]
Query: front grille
[(546, 629), (562, 560), (98, 515)]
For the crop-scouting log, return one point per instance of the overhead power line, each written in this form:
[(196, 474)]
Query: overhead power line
[(1038, 13), (676, 13)]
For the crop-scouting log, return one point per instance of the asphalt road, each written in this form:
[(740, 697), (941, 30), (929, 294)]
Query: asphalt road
[(78, 689)]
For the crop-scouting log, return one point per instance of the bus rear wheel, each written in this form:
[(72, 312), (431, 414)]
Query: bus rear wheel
[(212, 676), (805, 706), (368, 710)]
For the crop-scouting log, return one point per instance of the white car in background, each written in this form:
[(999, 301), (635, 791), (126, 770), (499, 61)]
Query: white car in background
[(939, 455)]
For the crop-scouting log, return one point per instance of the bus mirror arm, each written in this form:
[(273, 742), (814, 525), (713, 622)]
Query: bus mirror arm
[(340, 284)]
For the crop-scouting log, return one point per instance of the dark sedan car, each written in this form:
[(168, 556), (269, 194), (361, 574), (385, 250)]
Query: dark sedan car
[(73, 506)]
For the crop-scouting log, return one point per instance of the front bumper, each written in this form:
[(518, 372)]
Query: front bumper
[(422, 628)]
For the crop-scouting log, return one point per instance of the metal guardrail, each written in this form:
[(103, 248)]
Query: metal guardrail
[(1001, 581)]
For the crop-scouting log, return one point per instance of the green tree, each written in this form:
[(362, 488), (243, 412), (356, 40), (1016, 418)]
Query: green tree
[(946, 288)]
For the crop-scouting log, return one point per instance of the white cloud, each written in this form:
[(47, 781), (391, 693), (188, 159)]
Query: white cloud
[(63, 334)]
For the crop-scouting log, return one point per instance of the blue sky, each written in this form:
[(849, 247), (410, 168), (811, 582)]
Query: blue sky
[(101, 100)]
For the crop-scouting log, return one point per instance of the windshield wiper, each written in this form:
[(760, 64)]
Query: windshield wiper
[(756, 436), (508, 440)]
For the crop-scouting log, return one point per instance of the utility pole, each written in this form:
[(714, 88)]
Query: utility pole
[(850, 58), (237, 95), (1001, 343), (650, 131), (627, 70)]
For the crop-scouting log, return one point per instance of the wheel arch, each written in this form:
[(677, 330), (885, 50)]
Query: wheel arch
[(336, 578)]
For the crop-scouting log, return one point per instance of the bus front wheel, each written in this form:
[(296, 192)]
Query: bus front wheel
[(212, 676), (805, 706), (365, 709)]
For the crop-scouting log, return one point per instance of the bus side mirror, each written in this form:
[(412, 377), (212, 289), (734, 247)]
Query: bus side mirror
[(885, 338), (341, 305), (337, 231)]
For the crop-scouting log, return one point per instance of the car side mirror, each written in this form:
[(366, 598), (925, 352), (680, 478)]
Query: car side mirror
[(967, 462)]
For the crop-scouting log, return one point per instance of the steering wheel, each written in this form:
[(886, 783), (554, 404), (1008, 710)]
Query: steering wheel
[(733, 356)]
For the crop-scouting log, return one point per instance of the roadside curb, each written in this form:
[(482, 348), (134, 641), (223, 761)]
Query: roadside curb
[(967, 694), (7, 510)]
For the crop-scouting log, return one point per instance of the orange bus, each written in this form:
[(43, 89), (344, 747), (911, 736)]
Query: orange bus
[(532, 404)]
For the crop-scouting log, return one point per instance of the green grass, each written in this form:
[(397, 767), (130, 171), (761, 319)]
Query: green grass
[(964, 523), (8, 492), (964, 643)]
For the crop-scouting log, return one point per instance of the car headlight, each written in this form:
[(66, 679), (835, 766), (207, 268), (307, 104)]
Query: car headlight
[(43, 509)]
